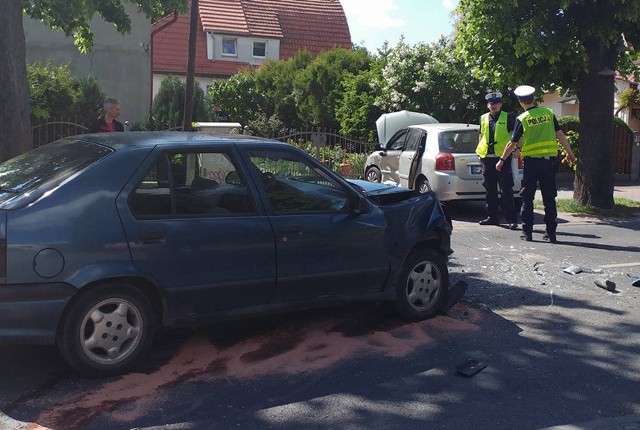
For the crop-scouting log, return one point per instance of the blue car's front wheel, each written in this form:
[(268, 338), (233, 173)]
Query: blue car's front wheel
[(423, 284)]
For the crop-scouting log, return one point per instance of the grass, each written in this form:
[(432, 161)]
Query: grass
[(622, 208)]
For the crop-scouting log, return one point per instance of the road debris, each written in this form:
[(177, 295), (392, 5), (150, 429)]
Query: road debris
[(470, 367), (573, 270), (606, 284), (635, 280), (455, 294)]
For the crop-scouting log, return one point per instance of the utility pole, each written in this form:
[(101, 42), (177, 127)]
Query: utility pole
[(191, 62)]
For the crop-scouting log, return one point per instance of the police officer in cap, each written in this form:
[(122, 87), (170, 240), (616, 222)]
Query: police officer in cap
[(536, 132), (495, 129)]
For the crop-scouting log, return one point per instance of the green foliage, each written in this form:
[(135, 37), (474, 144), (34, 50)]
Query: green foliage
[(90, 99), (573, 139), (547, 45), (357, 112), (168, 105), (73, 16), (53, 91), (56, 93), (318, 89), (629, 97)]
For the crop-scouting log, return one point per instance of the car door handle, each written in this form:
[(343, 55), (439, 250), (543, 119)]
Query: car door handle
[(291, 230), (152, 237)]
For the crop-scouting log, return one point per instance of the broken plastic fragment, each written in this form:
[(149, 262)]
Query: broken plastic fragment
[(470, 367), (606, 284), (635, 280), (573, 270)]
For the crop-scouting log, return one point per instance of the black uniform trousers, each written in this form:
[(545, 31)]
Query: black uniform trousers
[(542, 171), (504, 178)]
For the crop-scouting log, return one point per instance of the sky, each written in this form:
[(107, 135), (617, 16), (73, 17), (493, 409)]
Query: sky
[(372, 22)]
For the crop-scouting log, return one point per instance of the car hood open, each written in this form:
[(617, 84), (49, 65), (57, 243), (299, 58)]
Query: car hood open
[(389, 123)]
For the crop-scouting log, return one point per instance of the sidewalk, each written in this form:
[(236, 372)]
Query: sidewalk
[(627, 190)]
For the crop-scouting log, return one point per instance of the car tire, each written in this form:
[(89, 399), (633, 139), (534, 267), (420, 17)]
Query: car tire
[(422, 185), (423, 285), (106, 330), (373, 174)]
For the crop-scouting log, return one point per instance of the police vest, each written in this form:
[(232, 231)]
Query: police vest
[(501, 136), (539, 133)]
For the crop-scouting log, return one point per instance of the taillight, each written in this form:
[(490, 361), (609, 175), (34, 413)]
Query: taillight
[(445, 161), (520, 162)]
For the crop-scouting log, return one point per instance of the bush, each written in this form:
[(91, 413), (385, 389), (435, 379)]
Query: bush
[(53, 91), (168, 105)]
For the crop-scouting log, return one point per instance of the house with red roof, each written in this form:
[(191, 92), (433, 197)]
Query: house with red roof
[(234, 34)]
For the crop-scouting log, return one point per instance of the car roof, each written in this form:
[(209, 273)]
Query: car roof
[(446, 126), (142, 139)]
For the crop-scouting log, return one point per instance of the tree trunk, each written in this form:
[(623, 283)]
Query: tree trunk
[(191, 63), (593, 183), (15, 123)]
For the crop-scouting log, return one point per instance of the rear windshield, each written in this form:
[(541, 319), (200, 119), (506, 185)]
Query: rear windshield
[(458, 141), (48, 164)]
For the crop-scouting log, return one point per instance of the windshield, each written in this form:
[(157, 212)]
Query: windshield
[(51, 163), (458, 141)]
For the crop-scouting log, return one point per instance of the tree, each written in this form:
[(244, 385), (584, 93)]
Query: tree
[(575, 45), (429, 78), (70, 16), (168, 105)]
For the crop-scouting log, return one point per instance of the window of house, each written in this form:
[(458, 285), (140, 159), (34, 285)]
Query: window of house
[(260, 49), (229, 47)]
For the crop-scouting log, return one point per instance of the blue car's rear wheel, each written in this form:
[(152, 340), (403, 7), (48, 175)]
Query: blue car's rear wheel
[(423, 284), (106, 330)]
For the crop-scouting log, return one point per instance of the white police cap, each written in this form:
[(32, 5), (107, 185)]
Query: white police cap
[(524, 91), (494, 97)]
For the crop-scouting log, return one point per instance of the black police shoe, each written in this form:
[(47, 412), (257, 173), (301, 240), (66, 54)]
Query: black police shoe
[(526, 236), (551, 238), (489, 221)]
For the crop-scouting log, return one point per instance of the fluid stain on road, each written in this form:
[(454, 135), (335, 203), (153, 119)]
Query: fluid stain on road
[(298, 346)]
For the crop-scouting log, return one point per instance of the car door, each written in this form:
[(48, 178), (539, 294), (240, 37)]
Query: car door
[(411, 157), (193, 225), (324, 247), (390, 158)]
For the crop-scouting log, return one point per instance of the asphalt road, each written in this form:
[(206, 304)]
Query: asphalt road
[(557, 349)]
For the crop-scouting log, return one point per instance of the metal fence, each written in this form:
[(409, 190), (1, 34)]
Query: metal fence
[(324, 137), (47, 131)]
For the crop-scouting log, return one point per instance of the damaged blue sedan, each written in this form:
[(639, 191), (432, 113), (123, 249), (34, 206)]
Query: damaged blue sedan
[(106, 238)]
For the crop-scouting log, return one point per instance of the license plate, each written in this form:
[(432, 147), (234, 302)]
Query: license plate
[(476, 170)]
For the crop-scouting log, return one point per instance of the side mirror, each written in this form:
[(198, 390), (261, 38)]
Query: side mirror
[(362, 206), (233, 178)]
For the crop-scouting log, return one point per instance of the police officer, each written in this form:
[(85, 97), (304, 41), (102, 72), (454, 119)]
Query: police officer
[(495, 128), (535, 133)]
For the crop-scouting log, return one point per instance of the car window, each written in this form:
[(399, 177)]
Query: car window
[(293, 185), (397, 141), (414, 139), (193, 184), (458, 141), (53, 162)]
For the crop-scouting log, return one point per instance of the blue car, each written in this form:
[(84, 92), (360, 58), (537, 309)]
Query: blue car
[(106, 238)]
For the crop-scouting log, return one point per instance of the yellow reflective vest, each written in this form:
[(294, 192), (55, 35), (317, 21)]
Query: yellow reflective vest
[(539, 133), (501, 135)]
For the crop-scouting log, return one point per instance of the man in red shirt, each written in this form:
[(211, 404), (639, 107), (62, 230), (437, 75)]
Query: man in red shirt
[(107, 122)]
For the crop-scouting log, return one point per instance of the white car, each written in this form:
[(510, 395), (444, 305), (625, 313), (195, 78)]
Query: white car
[(430, 156)]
